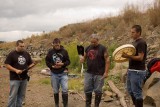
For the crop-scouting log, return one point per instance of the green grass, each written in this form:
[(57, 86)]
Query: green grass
[(42, 64), (111, 49), (45, 81), (73, 55), (75, 84), (116, 80)]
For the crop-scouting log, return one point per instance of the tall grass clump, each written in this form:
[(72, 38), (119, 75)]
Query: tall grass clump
[(73, 54), (111, 49), (130, 13)]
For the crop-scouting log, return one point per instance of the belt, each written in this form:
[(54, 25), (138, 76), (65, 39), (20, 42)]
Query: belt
[(137, 70)]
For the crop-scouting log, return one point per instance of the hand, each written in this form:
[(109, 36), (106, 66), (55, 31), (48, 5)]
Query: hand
[(124, 55), (66, 71), (59, 64), (105, 75), (81, 59), (56, 66), (18, 71)]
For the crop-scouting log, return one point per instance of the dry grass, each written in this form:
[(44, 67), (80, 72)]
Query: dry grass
[(154, 13), (131, 13), (113, 29)]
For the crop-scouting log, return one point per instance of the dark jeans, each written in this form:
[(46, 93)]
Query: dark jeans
[(135, 80), (93, 83)]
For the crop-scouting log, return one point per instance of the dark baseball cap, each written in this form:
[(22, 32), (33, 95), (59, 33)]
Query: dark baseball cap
[(56, 40)]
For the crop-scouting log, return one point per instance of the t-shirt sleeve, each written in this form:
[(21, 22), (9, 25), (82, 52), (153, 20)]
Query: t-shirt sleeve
[(141, 47)]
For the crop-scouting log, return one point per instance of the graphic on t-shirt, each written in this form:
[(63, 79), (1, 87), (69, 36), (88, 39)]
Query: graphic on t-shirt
[(21, 60), (92, 54), (57, 57)]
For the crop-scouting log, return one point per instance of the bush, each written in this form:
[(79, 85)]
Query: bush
[(73, 54), (111, 49)]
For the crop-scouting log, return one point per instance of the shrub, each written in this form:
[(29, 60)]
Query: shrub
[(73, 55), (111, 49)]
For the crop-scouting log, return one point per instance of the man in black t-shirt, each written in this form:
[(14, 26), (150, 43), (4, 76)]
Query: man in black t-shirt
[(98, 63), (57, 60), (136, 71), (16, 61)]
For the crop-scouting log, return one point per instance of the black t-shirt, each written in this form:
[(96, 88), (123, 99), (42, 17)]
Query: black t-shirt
[(140, 46), (18, 60), (95, 59), (54, 56)]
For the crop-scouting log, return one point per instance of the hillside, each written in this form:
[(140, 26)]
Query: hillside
[(114, 31)]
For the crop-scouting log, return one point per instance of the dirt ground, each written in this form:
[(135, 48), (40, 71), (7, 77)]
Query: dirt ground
[(41, 95), (38, 94)]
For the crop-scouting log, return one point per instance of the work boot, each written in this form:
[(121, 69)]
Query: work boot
[(88, 99), (97, 99), (56, 100), (139, 103), (133, 99), (65, 100)]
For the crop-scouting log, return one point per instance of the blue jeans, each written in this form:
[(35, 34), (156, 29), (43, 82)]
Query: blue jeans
[(17, 91), (58, 80), (135, 80), (93, 83)]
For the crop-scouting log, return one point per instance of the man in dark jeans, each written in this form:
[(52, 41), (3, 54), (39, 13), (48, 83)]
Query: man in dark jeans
[(16, 62), (136, 71), (98, 64), (57, 59)]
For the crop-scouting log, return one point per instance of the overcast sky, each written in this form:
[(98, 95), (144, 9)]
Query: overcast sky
[(21, 18)]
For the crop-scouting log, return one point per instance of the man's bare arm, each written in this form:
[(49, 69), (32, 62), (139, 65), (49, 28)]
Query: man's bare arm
[(9, 67), (107, 64)]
